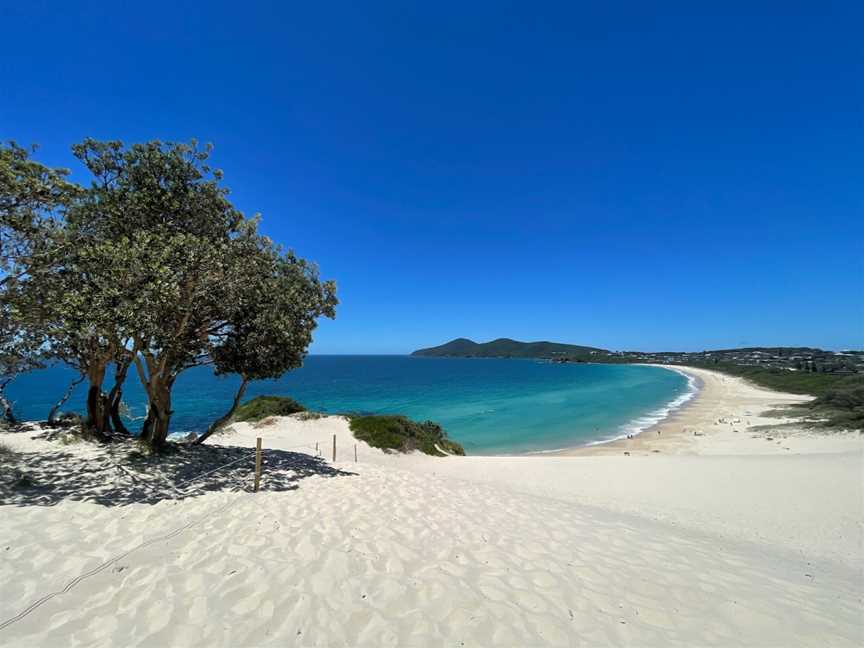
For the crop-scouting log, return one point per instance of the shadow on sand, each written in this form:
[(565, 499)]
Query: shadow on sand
[(118, 473)]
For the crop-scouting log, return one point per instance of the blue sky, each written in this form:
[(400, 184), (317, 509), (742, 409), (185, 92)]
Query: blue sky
[(624, 175)]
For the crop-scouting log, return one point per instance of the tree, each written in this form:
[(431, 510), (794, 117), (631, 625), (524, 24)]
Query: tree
[(152, 216), (152, 267), (190, 272), (272, 315), (74, 336), (20, 351), (32, 200), (79, 304)]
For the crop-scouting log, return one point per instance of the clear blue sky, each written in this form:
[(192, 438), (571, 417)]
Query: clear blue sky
[(624, 175)]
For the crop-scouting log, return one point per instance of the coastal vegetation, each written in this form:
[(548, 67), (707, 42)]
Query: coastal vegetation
[(401, 434), (150, 269), (794, 382), (840, 408), (839, 397), (262, 407)]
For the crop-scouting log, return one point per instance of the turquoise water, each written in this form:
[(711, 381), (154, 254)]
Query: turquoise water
[(489, 405)]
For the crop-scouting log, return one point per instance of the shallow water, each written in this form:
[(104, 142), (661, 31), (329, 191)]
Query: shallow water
[(489, 405)]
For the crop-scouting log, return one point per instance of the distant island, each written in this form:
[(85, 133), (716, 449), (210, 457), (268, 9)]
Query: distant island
[(507, 348)]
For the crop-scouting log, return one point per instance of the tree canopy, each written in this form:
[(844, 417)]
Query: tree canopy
[(152, 267), (32, 200)]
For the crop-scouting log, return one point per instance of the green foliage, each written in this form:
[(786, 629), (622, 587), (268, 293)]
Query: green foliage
[(839, 398), (209, 287), (504, 348), (272, 312), (793, 382), (841, 407), (403, 435), (153, 266), (261, 407), (32, 197)]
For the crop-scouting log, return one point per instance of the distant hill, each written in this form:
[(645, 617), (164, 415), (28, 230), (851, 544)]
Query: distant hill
[(507, 348), (836, 378)]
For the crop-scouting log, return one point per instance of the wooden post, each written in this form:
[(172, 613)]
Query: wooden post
[(355, 453), (334, 447), (257, 463)]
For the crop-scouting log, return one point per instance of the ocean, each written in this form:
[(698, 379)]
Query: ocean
[(490, 406)]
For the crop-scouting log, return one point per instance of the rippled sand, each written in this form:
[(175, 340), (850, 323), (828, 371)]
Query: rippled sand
[(407, 551)]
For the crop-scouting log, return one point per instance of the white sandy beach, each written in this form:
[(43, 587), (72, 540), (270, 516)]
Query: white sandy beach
[(723, 537)]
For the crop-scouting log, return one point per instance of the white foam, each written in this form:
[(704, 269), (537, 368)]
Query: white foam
[(540, 452), (639, 425)]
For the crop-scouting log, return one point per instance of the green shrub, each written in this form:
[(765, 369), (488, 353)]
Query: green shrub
[(261, 407), (839, 398), (403, 435), (794, 382), (841, 408)]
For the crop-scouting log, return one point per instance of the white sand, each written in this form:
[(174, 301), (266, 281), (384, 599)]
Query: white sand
[(719, 539)]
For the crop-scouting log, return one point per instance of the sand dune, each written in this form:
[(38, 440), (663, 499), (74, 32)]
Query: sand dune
[(653, 549)]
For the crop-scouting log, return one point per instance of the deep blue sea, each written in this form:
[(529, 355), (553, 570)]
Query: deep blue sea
[(491, 406)]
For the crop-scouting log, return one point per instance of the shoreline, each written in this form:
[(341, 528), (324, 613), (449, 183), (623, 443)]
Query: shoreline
[(668, 409), (671, 426), (726, 414), (694, 389), (732, 547)]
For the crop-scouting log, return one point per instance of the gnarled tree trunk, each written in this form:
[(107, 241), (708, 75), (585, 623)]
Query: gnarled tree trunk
[(97, 402), (115, 397), (218, 423), (159, 412), (52, 415)]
